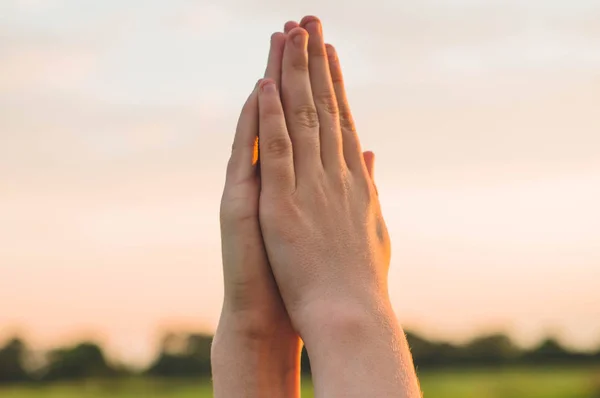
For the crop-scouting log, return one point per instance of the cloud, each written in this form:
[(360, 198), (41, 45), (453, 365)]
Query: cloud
[(100, 137), (41, 68), (533, 50), (201, 18), (116, 120)]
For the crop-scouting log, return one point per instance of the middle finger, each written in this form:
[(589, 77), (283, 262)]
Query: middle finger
[(301, 115)]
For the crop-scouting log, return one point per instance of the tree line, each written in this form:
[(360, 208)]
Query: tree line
[(188, 355)]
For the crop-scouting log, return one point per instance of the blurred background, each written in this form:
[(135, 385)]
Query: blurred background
[(116, 120)]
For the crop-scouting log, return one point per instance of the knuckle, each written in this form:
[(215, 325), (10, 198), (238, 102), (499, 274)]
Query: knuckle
[(335, 69), (336, 76), (227, 217), (307, 116), (327, 102), (342, 182), (279, 179), (331, 53), (346, 120), (317, 51), (234, 209), (238, 148), (270, 112), (300, 63), (277, 146), (231, 164), (272, 215)]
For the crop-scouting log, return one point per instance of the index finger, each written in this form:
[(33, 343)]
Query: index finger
[(273, 70), (276, 156)]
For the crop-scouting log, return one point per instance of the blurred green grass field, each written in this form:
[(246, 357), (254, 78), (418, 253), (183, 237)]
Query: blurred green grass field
[(497, 383)]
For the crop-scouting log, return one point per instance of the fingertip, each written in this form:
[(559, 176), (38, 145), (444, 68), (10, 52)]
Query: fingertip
[(289, 26), (299, 37), (273, 69), (267, 86), (277, 44), (308, 19), (331, 51), (277, 36), (297, 31), (245, 135), (369, 158), (313, 25)]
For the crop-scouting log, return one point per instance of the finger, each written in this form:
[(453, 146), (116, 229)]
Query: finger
[(369, 158), (242, 162), (273, 70), (289, 26), (323, 96), (300, 113), (276, 157), (351, 143)]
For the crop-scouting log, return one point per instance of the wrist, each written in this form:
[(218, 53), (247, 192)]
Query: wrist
[(359, 346), (343, 314), (255, 334), (259, 364), (259, 325), (279, 354)]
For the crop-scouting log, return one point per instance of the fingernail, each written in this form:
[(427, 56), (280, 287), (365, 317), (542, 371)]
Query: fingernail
[(268, 87), (274, 36), (314, 26), (289, 25), (299, 40)]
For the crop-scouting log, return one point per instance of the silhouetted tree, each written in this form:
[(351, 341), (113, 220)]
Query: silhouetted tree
[(548, 351), (188, 355), (183, 355), (494, 349), (11, 362), (431, 354), (85, 360)]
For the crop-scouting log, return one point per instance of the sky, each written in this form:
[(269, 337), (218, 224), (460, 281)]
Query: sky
[(116, 120)]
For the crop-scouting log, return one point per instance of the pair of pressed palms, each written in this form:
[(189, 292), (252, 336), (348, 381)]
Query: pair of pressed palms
[(305, 248)]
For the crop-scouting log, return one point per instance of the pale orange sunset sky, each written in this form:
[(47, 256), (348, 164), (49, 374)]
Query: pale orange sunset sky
[(116, 119)]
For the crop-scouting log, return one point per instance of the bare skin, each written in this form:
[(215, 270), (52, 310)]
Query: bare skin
[(355, 344), (324, 233), (256, 351)]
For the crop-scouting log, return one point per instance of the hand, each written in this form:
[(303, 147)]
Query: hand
[(323, 229), (320, 216), (252, 300), (256, 350), (251, 294)]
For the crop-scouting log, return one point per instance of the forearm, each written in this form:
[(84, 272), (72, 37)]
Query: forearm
[(247, 365), (358, 351)]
